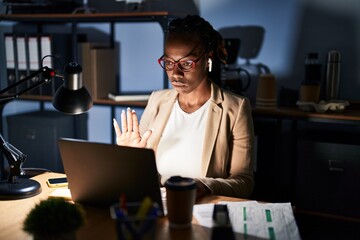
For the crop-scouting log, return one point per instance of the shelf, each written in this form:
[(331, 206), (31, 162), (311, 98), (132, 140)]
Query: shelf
[(107, 102), (110, 102), (89, 17), (350, 114)]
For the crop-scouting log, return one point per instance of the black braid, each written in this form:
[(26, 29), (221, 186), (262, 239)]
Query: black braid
[(209, 37)]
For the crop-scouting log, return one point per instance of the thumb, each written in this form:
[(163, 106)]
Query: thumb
[(146, 136)]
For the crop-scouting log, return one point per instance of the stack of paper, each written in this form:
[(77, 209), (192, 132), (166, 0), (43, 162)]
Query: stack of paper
[(254, 220)]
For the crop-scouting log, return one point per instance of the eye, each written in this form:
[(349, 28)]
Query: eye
[(168, 63), (186, 64)]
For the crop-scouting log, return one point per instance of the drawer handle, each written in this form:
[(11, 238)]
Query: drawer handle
[(30, 134), (336, 166)]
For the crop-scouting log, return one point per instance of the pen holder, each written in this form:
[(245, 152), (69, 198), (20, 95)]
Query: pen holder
[(131, 226)]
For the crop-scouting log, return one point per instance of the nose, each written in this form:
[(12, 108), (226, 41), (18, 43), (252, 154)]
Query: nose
[(177, 71)]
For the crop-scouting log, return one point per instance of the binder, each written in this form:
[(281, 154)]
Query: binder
[(59, 46), (99, 71), (21, 60), (33, 56), (103, 72), (10, 61), (45, 49)]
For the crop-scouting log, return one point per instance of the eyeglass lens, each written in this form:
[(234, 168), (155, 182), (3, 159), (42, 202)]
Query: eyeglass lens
[(170, 65)]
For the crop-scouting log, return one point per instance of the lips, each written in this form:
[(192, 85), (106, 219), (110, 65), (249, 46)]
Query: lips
[(177, 83)]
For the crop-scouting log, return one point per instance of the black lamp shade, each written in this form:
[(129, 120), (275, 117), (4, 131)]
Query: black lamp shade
[(72, 97), (72, 101)]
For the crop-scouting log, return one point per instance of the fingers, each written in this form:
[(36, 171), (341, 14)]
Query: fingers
[(135, 122), (129, 134), (123, 121), (129, 119), (116, 127)]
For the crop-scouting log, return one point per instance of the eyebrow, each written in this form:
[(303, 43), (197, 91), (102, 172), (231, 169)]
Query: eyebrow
[(191, 53)]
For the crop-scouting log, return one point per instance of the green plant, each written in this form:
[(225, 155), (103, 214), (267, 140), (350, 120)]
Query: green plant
[(54, 217)]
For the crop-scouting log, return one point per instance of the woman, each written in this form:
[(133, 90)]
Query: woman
[(198, 130)]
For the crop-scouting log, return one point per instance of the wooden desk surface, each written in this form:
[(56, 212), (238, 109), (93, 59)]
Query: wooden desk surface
[(99, 225)]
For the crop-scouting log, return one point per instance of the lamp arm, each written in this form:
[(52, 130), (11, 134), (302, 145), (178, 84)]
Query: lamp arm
[(15, 158), (47, 73)]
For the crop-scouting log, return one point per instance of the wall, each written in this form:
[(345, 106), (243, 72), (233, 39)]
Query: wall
[(293, 28)]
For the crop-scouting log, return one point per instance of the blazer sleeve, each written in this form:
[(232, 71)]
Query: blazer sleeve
[(236, 178)]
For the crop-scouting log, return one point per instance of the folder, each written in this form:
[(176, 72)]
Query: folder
[(45, 50), (21, 60), (10, 61), (99, 68), (33, 56), (59, 46), (103, 72)]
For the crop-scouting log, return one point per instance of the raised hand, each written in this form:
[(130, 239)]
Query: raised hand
[(129, 134)]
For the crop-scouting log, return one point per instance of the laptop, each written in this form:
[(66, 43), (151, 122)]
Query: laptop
[(99, 173)]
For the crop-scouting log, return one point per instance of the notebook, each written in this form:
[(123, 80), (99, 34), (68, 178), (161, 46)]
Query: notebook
[(99, 173)]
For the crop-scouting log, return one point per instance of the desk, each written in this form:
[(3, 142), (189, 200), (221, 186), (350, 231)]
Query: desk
[(99, 225)]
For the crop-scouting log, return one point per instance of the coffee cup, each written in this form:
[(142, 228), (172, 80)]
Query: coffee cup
[(180, 200), (266, 91), (266, 88)]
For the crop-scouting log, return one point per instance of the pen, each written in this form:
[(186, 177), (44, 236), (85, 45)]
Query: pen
[(126, 235), (122, 203), (144, 208), (127, 231), (148, 223)]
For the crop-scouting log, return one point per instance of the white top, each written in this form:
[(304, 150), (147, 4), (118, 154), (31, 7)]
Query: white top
[(180, 148)]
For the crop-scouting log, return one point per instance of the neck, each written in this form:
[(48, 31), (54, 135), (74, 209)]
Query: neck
[(190, 102)]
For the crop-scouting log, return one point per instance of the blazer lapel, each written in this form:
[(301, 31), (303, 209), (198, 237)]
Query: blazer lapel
[(212, 128), (162, 118)]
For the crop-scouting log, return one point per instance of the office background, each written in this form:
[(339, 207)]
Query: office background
[(293, 28), (313, 163)]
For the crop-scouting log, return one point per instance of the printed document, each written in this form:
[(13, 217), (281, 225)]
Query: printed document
[(253, 220)]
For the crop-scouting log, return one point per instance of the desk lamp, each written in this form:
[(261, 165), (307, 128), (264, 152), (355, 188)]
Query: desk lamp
[(71, 98)]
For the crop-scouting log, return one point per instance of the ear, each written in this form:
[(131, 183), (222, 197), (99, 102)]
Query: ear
[(210, 64)]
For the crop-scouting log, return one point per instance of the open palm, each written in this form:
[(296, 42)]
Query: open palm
[(129, 134)]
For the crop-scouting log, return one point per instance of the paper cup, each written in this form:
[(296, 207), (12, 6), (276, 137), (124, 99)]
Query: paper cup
[(180, 200)]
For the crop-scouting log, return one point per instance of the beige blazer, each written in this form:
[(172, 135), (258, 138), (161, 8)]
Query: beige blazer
[(227, 162)]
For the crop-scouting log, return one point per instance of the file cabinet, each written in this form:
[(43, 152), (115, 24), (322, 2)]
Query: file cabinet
[(327, 178), (310, 159)]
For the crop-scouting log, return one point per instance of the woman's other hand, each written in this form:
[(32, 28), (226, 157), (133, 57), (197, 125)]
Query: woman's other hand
[(201, 189), (129, 134)]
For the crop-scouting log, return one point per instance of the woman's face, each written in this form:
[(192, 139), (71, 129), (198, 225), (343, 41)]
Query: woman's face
[(185, 47)]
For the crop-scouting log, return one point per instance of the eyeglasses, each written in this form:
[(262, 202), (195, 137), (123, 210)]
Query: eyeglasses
[(185, 65)]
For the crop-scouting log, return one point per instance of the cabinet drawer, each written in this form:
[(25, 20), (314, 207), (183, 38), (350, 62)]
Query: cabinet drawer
[(328, 177)]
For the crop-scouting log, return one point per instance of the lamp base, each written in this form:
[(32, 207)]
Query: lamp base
[(21, 188)]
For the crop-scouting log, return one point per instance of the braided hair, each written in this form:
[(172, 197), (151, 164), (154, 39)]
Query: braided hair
[(210, 39)]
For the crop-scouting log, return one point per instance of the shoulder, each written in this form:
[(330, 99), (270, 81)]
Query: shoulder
[(228, 99), (162, 95), (160, 99)]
